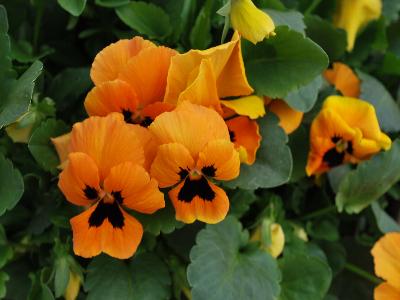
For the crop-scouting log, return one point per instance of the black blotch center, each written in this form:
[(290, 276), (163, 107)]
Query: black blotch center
[(196, 187), (209, 171), (90, 193), (110, 211), (146, 122), (183, 173), (335, 139), (349, 148), (127, 116), (232, 136), (333, 158), (117, 197)]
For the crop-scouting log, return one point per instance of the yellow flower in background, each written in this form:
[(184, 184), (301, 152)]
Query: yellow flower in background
[(354, 15), (271, 237), (386, 253), (252, 23)]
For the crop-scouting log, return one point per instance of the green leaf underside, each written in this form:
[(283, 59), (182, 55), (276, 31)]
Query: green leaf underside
[(372, 178), (305, 97), (385, 222), (292, 19), (231, 272)]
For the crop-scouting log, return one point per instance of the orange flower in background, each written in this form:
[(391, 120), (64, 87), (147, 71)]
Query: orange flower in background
[(386, 253), (345, 130), (344, 79), (130, 77), (105, 173), (195, 148)]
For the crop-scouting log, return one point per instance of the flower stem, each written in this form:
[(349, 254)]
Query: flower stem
[(312, 7), (362, 273)]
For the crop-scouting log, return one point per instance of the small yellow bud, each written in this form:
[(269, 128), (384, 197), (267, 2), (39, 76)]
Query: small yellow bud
[(74, 284), (21, 130), (300, 233), (276, 235)]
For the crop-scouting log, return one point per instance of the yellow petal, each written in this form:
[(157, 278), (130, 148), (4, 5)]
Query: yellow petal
[(73, 286), (353, 15), (276, 242), (252, 23), (251, 106)]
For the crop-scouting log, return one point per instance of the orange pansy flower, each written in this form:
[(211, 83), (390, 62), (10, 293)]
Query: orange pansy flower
[(130, 76), (289, 118), (345, 130), (386, 253), (195, 148), (105, 173), (344, 79)]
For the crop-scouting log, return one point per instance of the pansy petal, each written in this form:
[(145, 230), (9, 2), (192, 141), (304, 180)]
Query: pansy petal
[(211, 210), (132, 187), (79, 181), (251, 106), (219, 160), (245, 135), (148, 142), (153, 110), (385, 291), (111, 96), (386, 253), (61, 143), (172, 164), (190, 125), (289, 118), (344, 79), (93, 232), (108, 140), (147, 73), (109, 62)]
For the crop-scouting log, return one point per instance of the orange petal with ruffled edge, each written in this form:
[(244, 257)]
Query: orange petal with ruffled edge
[(79, 181), (385, 291), (227, 64), (93, 232), (289, 118), (246, 137), (112, 59), (219, 160), (344, 79), (147, 73), (61, 143), (190, 125), (386, 253), (172, 164), (203, 89), (149, 143), (111, 96), (133, 187), (108, 140), (189, 206)]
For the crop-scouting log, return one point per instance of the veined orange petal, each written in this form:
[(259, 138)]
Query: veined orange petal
[(110, 61), (219, 160), (61, 143), (190, 125), (111, 96), (117, 241), (153, 110), (172, 164), (149, 143), (79, 181), (147, 73), (246, 137), (386, 253), (250, 106), (132, 186), (385, 291), (344, 79), (212, 210), (108, 140), (289, 118)]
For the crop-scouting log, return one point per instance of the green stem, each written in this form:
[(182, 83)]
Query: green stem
[(362, 273), (312, 6), (318, 213), (37, 25)]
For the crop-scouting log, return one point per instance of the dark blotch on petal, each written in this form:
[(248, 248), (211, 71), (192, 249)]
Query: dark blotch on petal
[(90, 193), (349, 148), (196, 187), (117, 197), (183, 173), (110, 211), (336, 139), (232, 136), (209, 171), (333, 158), (127, 116), (146, 122)]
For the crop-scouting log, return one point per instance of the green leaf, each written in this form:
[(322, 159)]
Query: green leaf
[(39, 290), (3, 280), (19, 94), (221, 268), (391, 10), (383, 220), (304, 277), (41, 147), (299, 144), (111, 3), (281, 64), (391, 64), (240, 201), (61, 276), (74, 7), (330, 38), (387, 109), (5, 47), (146, 18), (292, 19), (11, 185), (146, 277), (304, 98), (273, 164), (369, 181), (200, 35)]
